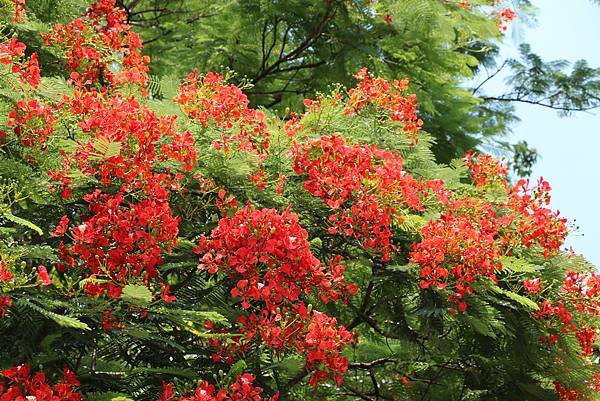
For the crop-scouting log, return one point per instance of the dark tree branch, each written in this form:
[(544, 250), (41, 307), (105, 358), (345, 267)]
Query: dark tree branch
[(538, 103), (490, 77), (296, 53), (370, 365)]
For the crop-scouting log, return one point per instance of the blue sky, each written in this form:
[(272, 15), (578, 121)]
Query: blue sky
[(569, 147)]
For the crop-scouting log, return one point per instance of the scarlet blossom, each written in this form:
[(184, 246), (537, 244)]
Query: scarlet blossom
[(11, 50), (61, 227), (461, 247), (32, 122), (532, 286), (586, 336), (109, 322), (242, 389), (103, 24), (19, 10), (5, 274), (5, 303), (167, 392), (564, 393), (390, 97), (119, 243), (43, 276), (535, 224), (485, 170), (268, 256), (209, 100), (19, 386), (165, 295), (258, 179), (505, 16), (367, 186)]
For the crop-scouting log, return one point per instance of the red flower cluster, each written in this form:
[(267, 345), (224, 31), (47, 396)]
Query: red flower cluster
[(587, 338), (11, 52), (461, 242), (32, 121), (564, 393), (126, 142), (324, 343), (101, 47), (304, 331), (534, 222), (5, 274), (532, 286), (19, 10), (121, 144), (118, 242), (207, 98), (226, 349), (5, 303), (267, 256), (583, 291), (485, 170), (389, 97), (505, 16), (471, 235), (242, 390), (565, 317), (18, 386), (367, 184)]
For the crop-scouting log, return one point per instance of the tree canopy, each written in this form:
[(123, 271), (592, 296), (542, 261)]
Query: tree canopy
[(168, 238)]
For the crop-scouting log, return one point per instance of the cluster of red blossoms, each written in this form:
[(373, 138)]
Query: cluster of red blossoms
[(101, 46), (485, 170), (366, 184), (32, 122), (582, 293), (472, 234), (19, 10), (118, 242), (208, 99), (124, 141), (504, 15), (242, 389), (11, 53), (390, 97), (5, 276), (267, 257), (17, 385), (462, 242), (120, 144)]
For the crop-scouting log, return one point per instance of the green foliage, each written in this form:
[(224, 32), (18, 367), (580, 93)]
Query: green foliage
[(283, 51)]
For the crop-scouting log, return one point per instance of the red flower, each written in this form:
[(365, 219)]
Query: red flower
[(209, 100), (21, 387), (386, 96), (19, 10), (532, 286), (5, 275), (43, 276), (5, 303), (165, 293), (242, 389)]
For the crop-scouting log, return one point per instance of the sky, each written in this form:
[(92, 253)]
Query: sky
[(569, 146)]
